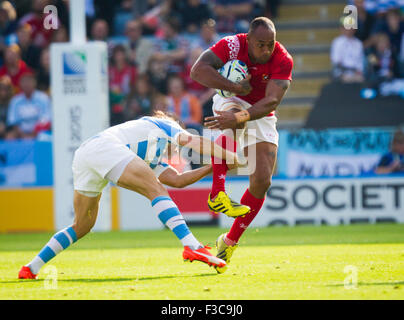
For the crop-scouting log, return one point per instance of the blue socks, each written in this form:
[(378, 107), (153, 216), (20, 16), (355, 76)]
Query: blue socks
[(60, 241), (168, 213), (166, 210)]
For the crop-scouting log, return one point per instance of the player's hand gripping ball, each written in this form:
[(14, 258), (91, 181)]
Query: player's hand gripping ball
[(235, 71)]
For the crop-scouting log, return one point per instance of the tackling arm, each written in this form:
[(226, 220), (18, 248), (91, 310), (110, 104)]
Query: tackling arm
[(207, 147), (173, 178)]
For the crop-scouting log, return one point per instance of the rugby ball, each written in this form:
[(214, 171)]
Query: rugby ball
[(235, 71)]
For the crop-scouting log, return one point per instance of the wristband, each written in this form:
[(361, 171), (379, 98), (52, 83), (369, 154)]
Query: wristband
[(242, 116)]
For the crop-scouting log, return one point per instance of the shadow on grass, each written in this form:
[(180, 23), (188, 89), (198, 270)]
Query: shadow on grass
[(266, 236), (360, 284), (85, 280)]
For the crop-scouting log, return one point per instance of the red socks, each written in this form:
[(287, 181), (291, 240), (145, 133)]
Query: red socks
[(241, 224), (220, 169), (219, 166)]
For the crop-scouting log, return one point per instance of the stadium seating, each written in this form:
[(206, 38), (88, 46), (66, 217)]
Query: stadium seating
[(306, 28)]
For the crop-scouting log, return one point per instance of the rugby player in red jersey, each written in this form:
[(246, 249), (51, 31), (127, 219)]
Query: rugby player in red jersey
[(253, 108)]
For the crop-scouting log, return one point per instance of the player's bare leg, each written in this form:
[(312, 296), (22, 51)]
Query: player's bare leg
[(85, 213), (86, 210), (138, 177), (218, 200), (260, 181)]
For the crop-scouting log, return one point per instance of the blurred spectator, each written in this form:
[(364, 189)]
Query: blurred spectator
[(60, 35), (122, 77), (183, 104), (29, 111), (8, 22), (172, 48), (191, 85), (233, 16), (393, 27), (105, 10), (271, 8), (139, 48), (62, 7), (139, 103), (160, 102), (43, 74), (6, 92), (188, 109), (347, 57), (365, 21), (13, 66), (207, 35), (157, 70), (203, 93), (178, 158), (401, 57), (382, 63), (139, 8), (40, 36), (29, 52), (157, 12), (123, 15), (192, 13), (22, 6), (99, 30), (90, 15), (393, 161), (379, 7)]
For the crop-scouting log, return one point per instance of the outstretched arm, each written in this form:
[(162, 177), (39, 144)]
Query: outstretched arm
[(207, 147), (173, 178)]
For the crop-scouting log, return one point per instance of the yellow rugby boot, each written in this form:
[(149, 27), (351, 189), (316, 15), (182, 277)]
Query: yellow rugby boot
[(223, 204), (224, 252)]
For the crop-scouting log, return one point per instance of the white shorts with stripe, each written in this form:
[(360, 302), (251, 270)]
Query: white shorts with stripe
[(96, 157), (261, 130)]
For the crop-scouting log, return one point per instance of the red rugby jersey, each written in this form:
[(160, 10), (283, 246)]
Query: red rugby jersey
[(278, 67)]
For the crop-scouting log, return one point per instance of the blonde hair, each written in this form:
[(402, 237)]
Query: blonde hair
[(165, 115), (169, 116)]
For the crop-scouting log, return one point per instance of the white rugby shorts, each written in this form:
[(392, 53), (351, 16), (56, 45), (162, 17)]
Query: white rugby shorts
[(94, 159), (261, 130)]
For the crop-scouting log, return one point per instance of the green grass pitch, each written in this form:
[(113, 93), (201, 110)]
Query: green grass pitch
[(306, 262)]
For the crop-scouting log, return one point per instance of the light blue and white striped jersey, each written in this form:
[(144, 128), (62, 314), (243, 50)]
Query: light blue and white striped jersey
[(148, 137)]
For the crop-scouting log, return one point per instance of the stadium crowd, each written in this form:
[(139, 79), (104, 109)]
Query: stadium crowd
[(153, 44), (373, 53)]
